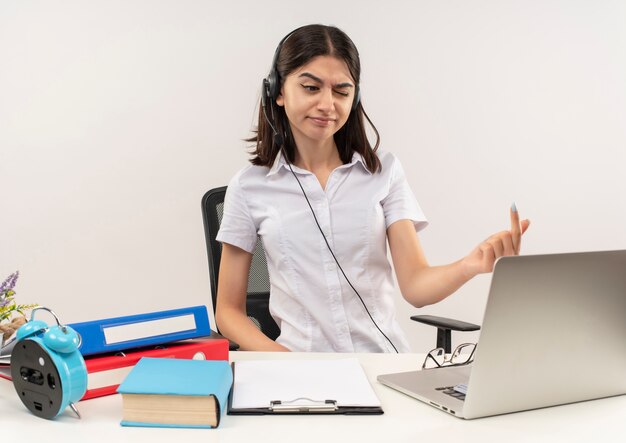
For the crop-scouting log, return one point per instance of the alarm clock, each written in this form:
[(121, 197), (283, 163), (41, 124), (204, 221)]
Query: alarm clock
[(48, 371)]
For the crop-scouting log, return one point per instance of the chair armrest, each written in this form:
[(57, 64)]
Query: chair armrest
[(445, 326), (445, 323)]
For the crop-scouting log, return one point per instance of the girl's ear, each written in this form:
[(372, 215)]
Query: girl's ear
[(280, 101)]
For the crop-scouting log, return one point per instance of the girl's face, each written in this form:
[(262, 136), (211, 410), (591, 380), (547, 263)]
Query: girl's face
[(318, 99)]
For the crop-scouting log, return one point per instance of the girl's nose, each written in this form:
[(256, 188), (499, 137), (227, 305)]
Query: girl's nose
[(326, 100)]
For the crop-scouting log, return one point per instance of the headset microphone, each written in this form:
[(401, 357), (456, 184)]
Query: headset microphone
[(278, 138)]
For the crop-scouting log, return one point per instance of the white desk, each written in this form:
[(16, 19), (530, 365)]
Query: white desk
[(404, 420)]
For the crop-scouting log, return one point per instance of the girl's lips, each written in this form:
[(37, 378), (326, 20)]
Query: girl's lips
[(321, 121)]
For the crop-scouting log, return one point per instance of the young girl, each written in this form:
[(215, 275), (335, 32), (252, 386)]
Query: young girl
[(325, 204)]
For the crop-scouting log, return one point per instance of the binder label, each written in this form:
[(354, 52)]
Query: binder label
[(150, 328)]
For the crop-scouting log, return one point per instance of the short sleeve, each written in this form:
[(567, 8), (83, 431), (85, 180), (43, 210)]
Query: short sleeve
[(237, 227), (400, 203)]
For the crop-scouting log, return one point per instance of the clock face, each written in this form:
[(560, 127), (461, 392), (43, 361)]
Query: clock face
[(36, 379)]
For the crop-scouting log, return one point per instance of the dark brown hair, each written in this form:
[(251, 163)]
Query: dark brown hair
[(297, 49)]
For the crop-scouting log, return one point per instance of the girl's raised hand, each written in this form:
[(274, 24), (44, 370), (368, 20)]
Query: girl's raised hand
[(482, 259)]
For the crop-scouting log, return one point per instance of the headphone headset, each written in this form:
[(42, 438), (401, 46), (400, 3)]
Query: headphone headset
[(270, 89), (48, 371)]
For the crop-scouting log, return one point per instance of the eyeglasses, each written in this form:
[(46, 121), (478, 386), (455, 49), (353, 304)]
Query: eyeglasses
[(463, 354)]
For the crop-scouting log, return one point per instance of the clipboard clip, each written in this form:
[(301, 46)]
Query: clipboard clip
[(303, 404)]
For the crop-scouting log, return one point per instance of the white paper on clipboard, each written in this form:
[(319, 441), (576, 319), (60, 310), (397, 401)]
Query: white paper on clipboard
[(258, 383)]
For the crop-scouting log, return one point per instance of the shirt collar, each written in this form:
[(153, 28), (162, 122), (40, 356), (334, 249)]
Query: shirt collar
[(279, 162)]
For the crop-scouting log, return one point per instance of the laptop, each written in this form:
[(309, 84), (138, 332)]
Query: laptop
[(554, 332)]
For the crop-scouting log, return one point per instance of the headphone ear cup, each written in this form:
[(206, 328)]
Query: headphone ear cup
[(265, 92), (273, 86), (357, 97), (30, 328), (62, 339)]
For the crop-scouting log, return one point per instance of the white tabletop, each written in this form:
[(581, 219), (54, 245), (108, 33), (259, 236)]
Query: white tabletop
[(405, 419)]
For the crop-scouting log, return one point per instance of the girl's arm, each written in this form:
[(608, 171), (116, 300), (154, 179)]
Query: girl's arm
[(230, 313), (422, 284)]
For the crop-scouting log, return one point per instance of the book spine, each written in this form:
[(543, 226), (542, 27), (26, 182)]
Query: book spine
[(222, 392)]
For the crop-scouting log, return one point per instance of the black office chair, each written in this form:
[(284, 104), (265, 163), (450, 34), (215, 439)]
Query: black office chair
[(257, 304)]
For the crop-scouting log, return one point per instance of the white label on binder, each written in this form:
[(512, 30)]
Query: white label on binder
[(150, 328)]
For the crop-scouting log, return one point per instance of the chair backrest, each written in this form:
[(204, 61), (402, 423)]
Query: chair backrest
[(257, 304)]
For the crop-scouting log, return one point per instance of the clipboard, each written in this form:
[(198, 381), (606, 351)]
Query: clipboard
[(316, 387)]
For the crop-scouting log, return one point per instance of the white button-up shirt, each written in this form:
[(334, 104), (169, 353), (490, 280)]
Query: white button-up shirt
[(310, 299)]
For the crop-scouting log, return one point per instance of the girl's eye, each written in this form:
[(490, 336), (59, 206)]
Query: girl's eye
[(310, 88), (343, 94)]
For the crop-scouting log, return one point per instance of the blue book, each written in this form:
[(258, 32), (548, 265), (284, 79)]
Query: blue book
[(167, 392), (135, 331)]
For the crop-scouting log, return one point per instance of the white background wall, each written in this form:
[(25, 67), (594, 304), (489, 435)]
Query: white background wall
[(116, 117)]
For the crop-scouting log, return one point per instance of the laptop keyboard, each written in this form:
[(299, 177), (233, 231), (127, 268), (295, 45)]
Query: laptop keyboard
[(457, 391)]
